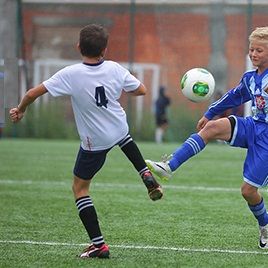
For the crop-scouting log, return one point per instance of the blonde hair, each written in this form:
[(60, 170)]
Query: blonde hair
[(260, 34)]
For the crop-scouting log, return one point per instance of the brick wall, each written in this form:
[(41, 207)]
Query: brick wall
[(177, 37)]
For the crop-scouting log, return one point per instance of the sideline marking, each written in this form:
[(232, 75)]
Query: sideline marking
[(198, 250), (120, 185)]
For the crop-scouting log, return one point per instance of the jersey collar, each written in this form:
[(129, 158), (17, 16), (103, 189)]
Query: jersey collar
[(94, 64)]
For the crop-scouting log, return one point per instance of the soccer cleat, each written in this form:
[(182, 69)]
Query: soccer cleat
[(155, 191), (160, 169), (93, 252), (263, 244)]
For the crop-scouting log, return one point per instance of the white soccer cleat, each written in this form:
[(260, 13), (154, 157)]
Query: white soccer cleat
[(263, 244), (160, 169)]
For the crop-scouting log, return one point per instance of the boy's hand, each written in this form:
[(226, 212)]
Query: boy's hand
[(201, 123), (15, 115)]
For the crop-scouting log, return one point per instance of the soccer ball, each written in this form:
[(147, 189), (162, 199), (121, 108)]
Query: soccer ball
[(197, 84)]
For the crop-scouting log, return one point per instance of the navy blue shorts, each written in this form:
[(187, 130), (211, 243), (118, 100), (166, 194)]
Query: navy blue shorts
[(161, 120), (88, 163), (252, 135)]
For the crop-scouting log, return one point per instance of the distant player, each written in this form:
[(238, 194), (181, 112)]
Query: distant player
[(250, 132), (161, 118), (95, 86)]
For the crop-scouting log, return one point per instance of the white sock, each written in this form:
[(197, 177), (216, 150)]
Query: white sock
[(159, 135)]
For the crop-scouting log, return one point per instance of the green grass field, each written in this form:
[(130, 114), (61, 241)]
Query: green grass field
[(202, 220)]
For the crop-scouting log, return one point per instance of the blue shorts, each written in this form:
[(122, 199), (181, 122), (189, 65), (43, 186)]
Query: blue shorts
[(252, 135), (88, 163)]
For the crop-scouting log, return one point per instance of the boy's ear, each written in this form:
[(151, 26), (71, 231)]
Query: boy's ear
[(104, 52), (78, 47)]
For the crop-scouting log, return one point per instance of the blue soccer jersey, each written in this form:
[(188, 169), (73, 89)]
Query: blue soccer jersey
[(250, 132), (252, 87)]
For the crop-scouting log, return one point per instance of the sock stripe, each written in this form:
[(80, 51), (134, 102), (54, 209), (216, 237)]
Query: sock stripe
[(86, 206), (84, 203), (258, 209), (144, 170), (125, 141), (259, 212), (98, 240), (194, 145)]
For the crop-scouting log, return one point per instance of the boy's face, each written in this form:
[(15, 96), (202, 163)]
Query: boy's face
[(258, 54)]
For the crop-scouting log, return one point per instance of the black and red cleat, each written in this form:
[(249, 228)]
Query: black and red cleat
[(155, 191), (94, 252)]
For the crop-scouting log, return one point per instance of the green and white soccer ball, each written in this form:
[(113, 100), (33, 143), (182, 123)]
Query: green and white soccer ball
[(198, 85)]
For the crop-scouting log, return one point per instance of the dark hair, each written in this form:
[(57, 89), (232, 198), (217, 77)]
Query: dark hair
[(93, 40)]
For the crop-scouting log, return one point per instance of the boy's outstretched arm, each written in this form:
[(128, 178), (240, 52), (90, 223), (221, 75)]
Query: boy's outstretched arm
[(141, 90), (16, 114)]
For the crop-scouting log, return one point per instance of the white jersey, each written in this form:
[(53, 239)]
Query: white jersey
[(95, 89)]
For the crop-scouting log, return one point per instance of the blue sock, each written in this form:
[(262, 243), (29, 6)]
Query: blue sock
[(193, 145), (260, 213)]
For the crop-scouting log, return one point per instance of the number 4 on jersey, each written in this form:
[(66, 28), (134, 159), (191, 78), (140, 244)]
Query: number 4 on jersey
[(100, 97)]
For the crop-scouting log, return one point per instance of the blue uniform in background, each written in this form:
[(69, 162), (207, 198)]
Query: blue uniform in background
[(250, 132)]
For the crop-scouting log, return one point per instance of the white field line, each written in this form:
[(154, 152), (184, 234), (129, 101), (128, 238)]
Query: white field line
[(120, 185), (178, 249)]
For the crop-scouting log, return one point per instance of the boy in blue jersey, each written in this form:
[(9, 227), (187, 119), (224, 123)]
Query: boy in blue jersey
[(250, 132)]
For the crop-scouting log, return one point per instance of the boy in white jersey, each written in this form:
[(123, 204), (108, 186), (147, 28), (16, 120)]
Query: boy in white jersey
[(95, 86), (250, 132)]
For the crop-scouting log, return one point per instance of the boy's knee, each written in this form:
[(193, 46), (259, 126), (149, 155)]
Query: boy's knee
[(217, 129), (211, 130), (250, 194), (80, 187), (246, 192)]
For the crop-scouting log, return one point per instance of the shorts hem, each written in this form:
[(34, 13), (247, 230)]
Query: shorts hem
[(252, 183)]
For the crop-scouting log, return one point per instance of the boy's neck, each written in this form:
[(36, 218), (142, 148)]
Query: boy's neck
[(261, 70), (93, 60)]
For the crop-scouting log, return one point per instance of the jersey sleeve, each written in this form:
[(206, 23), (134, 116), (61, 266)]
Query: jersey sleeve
[(58, 85), (233, 98), (130, 82)]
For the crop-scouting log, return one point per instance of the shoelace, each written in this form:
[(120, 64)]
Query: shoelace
[(89, 248), (166, 157)]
